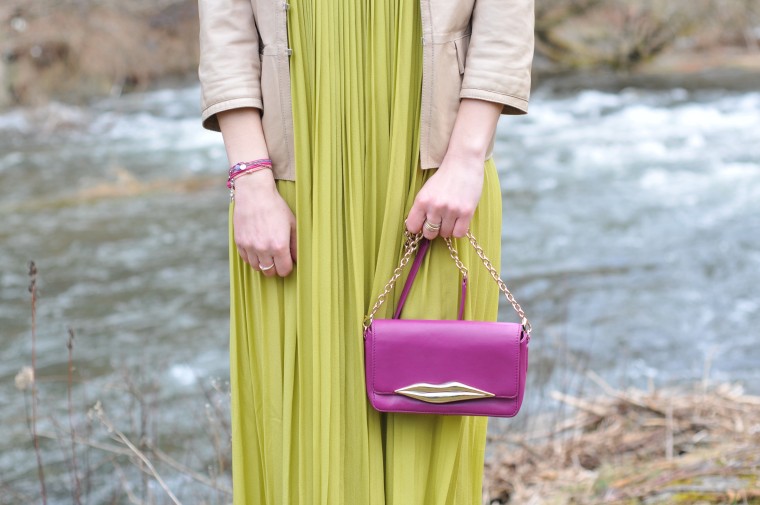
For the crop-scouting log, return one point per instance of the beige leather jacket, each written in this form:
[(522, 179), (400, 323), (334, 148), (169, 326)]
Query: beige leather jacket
[(471, 49)]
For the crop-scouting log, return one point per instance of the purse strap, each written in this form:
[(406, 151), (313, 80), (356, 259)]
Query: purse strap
[(424, 246), (411, 244)]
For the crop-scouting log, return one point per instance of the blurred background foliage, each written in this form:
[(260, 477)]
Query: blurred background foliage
[(74, 49)]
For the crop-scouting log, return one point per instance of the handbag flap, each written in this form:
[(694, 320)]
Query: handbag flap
[(468, 354)]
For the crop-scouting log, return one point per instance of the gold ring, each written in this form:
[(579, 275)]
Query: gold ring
[(262, 267), (432, 227)]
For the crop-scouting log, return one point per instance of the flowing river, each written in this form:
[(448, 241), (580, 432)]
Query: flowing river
[(631, 238)]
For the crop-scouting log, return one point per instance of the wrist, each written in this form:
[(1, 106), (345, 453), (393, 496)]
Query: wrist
[(468, 160), (260, 181), (474, 128), (245, 169), (467, 149)]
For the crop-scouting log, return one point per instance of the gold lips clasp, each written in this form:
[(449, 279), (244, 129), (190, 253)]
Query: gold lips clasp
[(443, 393)]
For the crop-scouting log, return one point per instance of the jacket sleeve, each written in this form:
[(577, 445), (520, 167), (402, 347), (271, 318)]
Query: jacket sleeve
[(229, 68), (500, 54)]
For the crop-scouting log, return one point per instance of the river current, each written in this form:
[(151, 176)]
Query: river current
[(631, 238)]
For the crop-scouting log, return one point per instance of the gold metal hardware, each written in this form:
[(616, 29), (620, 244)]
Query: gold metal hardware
[(411, 243), (443, 393), (502, 285)]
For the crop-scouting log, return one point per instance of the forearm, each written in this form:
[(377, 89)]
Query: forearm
[(244, 140), (474, 127), (243, 134)]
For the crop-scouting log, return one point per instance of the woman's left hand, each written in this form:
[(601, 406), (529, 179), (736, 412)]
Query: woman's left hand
[(449, 197)]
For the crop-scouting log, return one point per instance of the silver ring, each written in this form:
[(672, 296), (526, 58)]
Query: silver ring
[(262, 267), (432, 227)]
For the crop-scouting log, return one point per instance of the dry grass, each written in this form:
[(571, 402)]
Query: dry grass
[(124, 455), (680, 445)]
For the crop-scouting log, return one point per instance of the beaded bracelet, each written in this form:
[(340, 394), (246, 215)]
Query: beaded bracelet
[(245, 167)]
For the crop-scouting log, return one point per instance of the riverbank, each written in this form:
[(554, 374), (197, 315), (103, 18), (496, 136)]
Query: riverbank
[(74, 50), (719, 68), (695, 445)]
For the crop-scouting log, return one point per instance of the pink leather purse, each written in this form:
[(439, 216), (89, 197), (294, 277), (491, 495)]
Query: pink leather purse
[(453, 367)]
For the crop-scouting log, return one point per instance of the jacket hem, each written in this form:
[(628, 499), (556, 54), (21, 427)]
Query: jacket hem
[(513, 105), (208, 115)]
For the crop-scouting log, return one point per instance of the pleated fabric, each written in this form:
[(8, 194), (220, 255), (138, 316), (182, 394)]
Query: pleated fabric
[(303, 431)]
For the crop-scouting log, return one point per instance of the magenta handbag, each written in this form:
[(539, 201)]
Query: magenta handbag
[(454, 367)]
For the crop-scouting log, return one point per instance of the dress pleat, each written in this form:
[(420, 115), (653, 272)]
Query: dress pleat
[(303, 431)]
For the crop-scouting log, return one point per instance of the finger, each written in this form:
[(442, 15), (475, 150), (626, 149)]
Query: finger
[(434, 219), (447, 226), (461, 227), (266, 262), (243, 254), (293, 243), (415, 219), (283, 263), (254, 261)]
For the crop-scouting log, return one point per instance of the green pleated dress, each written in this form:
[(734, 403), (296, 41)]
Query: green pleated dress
[(303, 431)]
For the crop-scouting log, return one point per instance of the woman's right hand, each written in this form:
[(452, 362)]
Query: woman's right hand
[(263, 224)]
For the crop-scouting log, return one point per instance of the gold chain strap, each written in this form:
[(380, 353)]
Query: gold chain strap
[(411, 244), (502, 285)]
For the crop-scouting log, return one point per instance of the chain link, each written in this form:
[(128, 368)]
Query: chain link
[(411, 243), (455, 256), (502, 286)]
